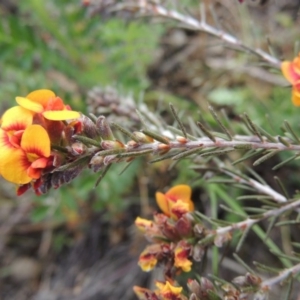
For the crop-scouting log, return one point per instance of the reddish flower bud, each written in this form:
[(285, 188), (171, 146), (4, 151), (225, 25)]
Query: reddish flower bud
[(78, 149), (169, 231), (183, 226)]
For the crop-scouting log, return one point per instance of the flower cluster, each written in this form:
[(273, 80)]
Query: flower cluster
[(291, 71), (169, 231), (26, 134)]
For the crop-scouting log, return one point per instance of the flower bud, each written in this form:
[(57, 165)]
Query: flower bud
[(142, 138), (183, 226), (78, 148), (198, 252), (163, 148), (253, 279), (96, 163), (206, 284), (108, 145), (199, 230), (89, 128), (104, 129), (169, 231), (194, 286), (181, 139), (109, 159)]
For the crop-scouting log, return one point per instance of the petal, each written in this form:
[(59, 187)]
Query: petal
[(178, 209), (23, 188), (16, 118), (143, 224), (147, 261), (41, 96), (40, 163), (55, 103), (61, 115), (181, 191), (14, 165), (36, 140), (30, 104), (296, 97), (34, 173), (181, 255), (168, 291), (162, 203), (5, 143), (289, 71)]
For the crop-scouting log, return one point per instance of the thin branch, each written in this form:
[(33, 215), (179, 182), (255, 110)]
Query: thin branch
[(266, 285), (249, 142), (243, 225), (156, 10), (264, 189)]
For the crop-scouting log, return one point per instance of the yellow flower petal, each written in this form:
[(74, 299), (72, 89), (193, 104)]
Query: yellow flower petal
[(35, 140), (162, 202), (181, 257), (41, 96), (60, 115), (16, 118), (30, 104), (4, 141), (286, 68), (14, 165), (143, 224), (296, 97), (168, 289), (178, 209), (181, 191), (148, 258)]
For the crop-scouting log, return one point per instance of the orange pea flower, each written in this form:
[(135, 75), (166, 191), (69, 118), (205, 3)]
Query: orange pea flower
[(181, 254), (176, 201), (148, 258), (45, 102), (24, 154), (167, 291), (291, 71)]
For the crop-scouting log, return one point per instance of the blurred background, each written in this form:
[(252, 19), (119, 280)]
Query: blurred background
[(78, 241)]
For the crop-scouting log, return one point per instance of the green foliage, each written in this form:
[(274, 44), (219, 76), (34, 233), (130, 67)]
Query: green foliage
[(56, 45)]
